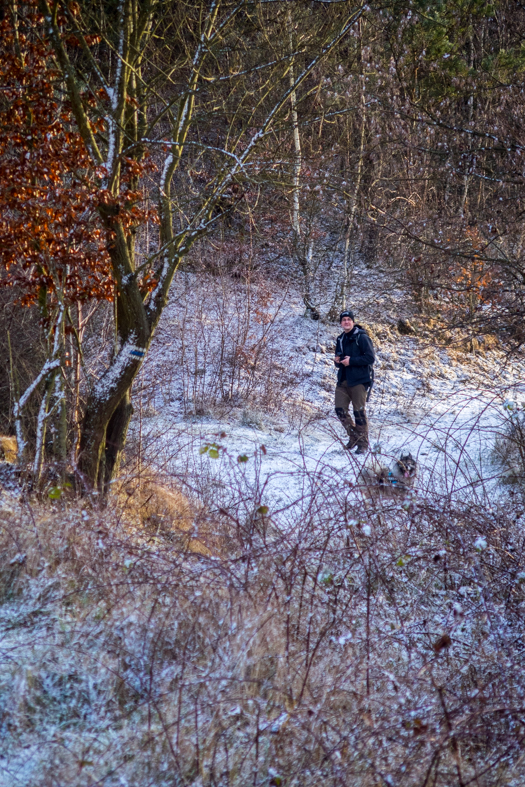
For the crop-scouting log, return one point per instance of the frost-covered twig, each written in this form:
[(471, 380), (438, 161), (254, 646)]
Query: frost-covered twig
[(51, 364)]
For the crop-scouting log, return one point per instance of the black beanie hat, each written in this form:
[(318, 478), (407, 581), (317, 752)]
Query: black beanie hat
[(346, 313)]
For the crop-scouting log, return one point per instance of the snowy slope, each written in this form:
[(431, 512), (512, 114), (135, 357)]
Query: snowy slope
[(443, 404)]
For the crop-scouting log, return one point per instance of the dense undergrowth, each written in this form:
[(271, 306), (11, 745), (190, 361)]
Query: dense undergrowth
[(355, 646)]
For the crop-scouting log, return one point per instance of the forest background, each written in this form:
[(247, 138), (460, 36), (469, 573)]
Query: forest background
[(277, 138)]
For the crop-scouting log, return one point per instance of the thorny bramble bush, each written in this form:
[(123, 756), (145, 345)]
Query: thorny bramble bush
[(346, 644), (509, 445)]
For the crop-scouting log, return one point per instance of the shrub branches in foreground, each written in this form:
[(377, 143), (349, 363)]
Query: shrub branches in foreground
[(358, 647)]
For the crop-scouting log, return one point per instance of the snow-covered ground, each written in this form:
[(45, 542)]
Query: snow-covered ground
[(444, 404), (109, 640)]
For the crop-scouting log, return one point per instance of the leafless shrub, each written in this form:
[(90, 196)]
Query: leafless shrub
[(509, 446), (330, 641), (227, 336), (22, 353)]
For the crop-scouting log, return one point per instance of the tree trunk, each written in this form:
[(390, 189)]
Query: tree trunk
[(41, 427), (339, 302), (109, 409), (106, 423), (303, 257), (116, 433), (468, 161)]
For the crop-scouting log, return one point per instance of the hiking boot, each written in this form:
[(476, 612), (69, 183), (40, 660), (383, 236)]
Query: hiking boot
[(360, 450), (350, 444)]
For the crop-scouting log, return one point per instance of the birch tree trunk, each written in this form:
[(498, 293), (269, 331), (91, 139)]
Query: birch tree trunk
[(352, 195), (302, 249), (47, 375), (469, 165)]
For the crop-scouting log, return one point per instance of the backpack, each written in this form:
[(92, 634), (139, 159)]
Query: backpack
[(370, 366), (371, 373)]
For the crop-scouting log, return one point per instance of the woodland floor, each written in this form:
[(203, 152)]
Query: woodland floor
[(130, 658), (443, 403)]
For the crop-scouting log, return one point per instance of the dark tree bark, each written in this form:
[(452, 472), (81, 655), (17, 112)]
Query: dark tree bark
[(116, 433)]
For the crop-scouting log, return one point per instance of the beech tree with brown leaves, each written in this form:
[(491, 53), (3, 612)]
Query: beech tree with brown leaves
[(52, 248), (53, 245)]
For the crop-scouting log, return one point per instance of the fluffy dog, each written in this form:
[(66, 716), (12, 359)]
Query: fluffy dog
[(378, 480)]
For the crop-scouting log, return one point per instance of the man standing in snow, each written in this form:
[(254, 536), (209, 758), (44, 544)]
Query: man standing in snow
[(354, 359)]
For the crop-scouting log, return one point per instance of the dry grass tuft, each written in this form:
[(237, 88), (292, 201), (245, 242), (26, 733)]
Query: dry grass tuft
[(8, 449), (163, 513)]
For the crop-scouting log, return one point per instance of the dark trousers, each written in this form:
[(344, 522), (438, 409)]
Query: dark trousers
[(356, 395)]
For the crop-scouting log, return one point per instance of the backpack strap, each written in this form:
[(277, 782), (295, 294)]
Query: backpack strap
[(339, 344), (370, 366)]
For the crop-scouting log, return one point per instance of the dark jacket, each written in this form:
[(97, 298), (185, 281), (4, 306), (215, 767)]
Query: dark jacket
[(359, 348)]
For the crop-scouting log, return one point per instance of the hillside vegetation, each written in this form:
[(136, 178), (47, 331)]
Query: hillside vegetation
[(346, 646), (199, 587)]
